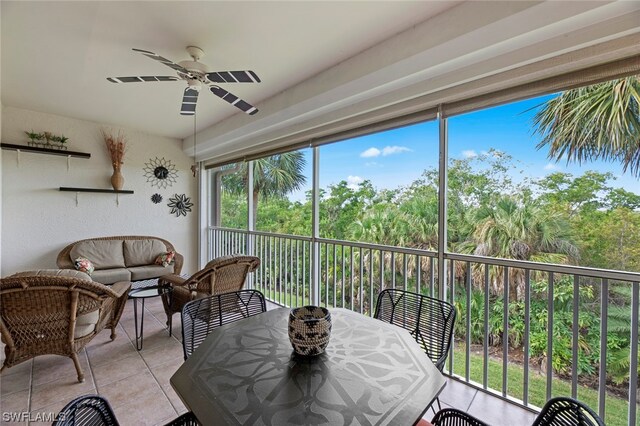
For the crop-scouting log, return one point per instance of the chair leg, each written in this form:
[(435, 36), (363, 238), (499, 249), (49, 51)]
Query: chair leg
[(437, 401), (76, 362), (113, 332)]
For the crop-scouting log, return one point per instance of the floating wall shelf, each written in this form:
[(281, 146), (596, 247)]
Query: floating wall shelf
[(109, 191), (48, 151)]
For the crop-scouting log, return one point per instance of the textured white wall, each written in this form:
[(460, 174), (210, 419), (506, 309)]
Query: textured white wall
[(38, 220)]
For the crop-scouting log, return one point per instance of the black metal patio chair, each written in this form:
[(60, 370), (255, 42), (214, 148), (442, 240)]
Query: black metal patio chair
[(430, 321), (94, 410), (87, 410), (565, 411), (200, 316), (454, 417)]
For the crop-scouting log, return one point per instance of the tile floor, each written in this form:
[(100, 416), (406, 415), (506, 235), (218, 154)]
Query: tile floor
[(136, 383)]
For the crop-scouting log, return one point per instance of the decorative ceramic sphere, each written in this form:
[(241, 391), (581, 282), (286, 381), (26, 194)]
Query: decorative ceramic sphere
[(309, 330)]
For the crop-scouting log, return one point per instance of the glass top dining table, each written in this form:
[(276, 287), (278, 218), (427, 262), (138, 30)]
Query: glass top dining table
[(371, 373)]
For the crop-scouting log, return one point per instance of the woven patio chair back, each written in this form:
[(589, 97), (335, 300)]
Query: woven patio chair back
[(87, 410), (430, 321), (201, 316), (565, 411), (454, 417)]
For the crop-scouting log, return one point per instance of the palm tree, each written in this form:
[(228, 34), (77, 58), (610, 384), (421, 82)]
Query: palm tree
[(510, 230), (601, 121), (274, 176)]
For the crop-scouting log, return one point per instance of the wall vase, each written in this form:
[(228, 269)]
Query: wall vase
[(117, 180)]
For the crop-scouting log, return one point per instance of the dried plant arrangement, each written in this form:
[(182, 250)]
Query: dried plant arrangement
[(116, 147)]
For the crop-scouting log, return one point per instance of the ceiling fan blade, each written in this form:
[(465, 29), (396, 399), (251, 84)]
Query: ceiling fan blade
[(141, 79), (164, 61), (233, 100), (189, 100), (233, 77)]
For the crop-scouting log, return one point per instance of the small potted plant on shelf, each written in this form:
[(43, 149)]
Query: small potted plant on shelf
[(34, 137), (60, 141)]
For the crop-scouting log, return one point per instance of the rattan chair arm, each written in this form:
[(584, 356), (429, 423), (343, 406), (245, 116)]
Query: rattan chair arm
[(120, 288), (172, 279), (178, 262)]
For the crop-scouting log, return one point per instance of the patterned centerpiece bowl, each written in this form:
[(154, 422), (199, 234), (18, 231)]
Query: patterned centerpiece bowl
[(309, 330)]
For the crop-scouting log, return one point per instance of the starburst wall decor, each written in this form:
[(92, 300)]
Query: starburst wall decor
[(180, 205), (156, 198), (160, 172)]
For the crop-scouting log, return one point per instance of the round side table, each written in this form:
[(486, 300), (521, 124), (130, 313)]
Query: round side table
[(143, 294)]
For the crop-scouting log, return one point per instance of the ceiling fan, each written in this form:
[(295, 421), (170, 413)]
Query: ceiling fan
[(197, 74)]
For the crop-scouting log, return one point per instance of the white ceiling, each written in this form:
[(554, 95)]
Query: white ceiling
[(319, 61), (56, 55)]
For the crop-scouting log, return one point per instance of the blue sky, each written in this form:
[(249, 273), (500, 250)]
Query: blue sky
[(398, 157)]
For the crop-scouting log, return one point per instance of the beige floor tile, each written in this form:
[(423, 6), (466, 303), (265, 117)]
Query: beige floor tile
[(48, 368), (63, 390), (104, 374), (175, 400), (22, 368), (126, 390), (151, 408), (16, 402), (111, 351), (499, 413), (41, 414), (171, 351), (457, 395), (15, 382), (163, 372)]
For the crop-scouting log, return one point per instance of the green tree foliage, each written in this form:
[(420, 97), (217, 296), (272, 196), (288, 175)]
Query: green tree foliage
[(601, 121)]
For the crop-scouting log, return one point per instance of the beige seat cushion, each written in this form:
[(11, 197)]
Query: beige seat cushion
[(86, 323), (54, 273), (150, 271), (104, 254), (110, 276), (142, 252)]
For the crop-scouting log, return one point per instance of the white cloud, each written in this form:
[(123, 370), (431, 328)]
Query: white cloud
[(353, 181), (371, 152), (389, 150), (469, 153), (550, 166)]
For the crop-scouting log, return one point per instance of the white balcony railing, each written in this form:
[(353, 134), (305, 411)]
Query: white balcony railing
[(297, 270)]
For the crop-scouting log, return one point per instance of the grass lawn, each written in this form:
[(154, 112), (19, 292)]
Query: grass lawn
[(616, 408)]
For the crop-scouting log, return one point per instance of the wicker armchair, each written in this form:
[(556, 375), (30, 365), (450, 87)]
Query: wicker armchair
[(56, 312), (201, 316), (430, 321), (221, 275), (564, 411)]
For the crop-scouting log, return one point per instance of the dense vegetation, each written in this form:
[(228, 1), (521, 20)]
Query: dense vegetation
[(583, 220)]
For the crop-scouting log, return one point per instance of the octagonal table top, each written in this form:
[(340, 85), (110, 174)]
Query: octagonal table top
[(372, 373)]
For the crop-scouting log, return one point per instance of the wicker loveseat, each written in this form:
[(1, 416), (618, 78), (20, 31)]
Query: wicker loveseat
[(122, 258), (57, 312)]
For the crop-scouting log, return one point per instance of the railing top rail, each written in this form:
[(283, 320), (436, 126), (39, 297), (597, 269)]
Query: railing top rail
[(521, 264), (548, 267), (262, 233), (382, 247)]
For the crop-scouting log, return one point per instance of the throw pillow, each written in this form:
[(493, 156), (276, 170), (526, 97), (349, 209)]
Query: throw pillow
[(83, 264), (166, 259)]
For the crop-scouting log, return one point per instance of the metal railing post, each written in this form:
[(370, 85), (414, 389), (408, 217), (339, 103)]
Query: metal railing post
[(442, 203), (315, 229)]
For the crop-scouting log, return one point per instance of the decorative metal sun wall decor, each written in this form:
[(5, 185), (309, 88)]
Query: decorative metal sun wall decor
[(180, 205), (156, 198), (160, 172)]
